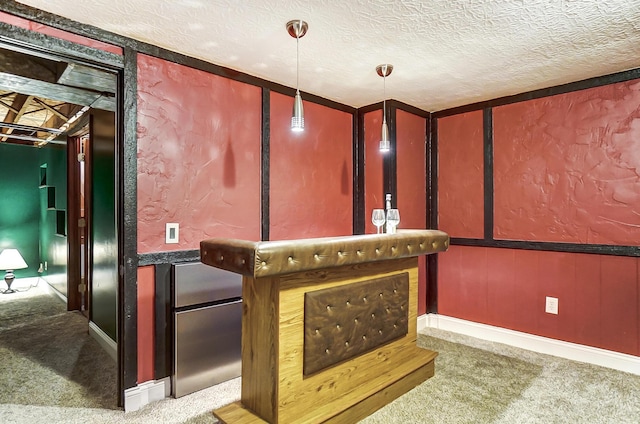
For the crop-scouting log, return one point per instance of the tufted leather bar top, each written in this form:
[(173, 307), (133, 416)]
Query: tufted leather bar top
[(265, 258)]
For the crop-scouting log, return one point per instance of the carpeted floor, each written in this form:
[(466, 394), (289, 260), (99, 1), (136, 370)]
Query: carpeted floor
[(52, 371), (483, 382), (48, 357)]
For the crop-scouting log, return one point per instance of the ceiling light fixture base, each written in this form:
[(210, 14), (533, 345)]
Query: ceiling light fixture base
[(297, 28), (384, 70)]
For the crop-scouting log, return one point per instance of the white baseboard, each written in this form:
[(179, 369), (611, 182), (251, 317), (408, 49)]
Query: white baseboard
[(145, 393), (573, 351), (104, 340), (423, 321)]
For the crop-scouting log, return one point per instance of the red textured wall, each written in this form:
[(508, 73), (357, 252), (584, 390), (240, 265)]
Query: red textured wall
[(146, 323), (311, 172), (373, 172), (47, 30), (461, 175), (567, 167), (198, 156), (598, 295), (411, 134)]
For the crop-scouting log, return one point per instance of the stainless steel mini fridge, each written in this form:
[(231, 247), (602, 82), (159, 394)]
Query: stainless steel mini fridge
[(207, 311)]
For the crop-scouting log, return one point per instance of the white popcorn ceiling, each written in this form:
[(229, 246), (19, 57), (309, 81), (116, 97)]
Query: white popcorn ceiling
[(445, 53)]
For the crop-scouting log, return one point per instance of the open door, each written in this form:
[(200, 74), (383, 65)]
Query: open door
[(102, 236), (78, 259)]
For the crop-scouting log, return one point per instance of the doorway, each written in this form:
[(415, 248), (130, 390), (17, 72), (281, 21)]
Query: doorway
[(58, 108)]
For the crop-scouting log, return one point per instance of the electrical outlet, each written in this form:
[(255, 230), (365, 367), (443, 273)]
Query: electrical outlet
[(551, 306)]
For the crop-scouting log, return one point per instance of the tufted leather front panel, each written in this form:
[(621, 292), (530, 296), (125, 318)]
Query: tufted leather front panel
[(343, 322), (260, 259)]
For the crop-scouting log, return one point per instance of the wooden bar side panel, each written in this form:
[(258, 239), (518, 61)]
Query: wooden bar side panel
[(260, 341)]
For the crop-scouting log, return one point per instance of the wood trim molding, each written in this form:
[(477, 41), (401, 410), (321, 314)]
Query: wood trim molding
[(598, 249)]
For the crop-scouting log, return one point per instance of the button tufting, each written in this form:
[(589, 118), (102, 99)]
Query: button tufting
[(338, 326), (221, 258), (348, 303), (364, 337), (316, 256), (346, 343), (379, 331), (327, 351), (373, 315), (264, 263), (328, 307)]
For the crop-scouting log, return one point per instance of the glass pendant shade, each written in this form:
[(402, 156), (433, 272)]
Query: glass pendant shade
[(385, 143), (384, 71), (297, 28), (297, 120)]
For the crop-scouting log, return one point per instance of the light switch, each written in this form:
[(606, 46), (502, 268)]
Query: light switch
[(172, 232)]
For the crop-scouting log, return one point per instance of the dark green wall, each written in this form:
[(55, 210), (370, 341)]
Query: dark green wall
[(53, 242), (20, 204)]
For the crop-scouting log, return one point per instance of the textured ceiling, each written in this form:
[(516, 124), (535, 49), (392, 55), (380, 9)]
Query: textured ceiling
[(445, 52)]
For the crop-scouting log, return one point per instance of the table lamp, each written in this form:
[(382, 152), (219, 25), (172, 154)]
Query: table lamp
[(10, 260)]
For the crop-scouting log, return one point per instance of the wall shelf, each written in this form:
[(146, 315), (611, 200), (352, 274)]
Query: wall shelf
[(61, 223), (51, 197), (43, 175)]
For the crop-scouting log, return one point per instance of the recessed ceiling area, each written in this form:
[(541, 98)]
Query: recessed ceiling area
[(445, 53), (41, 99)]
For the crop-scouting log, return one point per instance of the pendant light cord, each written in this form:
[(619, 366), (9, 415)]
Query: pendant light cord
[(384, 94), (298, 56)]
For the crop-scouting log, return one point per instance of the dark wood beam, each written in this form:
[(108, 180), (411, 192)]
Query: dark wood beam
[(28, 66), (75, 75), (57, 92)]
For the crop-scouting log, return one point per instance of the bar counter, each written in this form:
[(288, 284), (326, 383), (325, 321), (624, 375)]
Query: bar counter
[(328, 324)]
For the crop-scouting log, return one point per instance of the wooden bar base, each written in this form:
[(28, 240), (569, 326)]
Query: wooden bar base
[(236, 413), (328, 325)]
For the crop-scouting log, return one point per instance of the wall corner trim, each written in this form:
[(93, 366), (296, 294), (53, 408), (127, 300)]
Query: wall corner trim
[(145, 393), (423, 322), (104, 340), (562, 349)]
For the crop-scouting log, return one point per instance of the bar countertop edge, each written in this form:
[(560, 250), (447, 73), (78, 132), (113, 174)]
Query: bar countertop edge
[(268, 258)]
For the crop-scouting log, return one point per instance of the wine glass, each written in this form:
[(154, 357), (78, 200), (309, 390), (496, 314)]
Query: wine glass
[(377, 217), (393, 219)]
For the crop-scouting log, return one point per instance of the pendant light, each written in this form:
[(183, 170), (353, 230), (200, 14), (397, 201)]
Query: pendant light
[(384, 71), (297, 29)]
